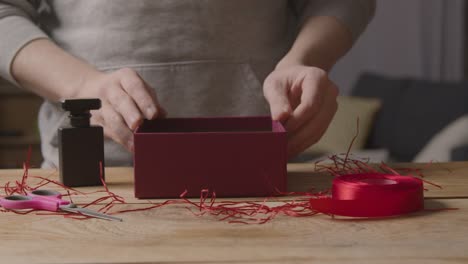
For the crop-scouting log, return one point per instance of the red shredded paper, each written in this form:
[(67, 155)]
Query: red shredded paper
[(245, 212)]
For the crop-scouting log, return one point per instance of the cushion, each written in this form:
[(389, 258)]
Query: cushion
[(441, 146), (369, 155), (343, 127)]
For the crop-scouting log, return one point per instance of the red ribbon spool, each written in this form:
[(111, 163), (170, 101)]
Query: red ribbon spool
[(372, 195)]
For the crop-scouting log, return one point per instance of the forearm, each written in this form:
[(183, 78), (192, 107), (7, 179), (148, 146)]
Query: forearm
[(45, 69), (321, 41)]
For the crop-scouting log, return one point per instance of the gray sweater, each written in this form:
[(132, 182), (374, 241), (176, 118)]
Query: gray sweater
[(204, 58)]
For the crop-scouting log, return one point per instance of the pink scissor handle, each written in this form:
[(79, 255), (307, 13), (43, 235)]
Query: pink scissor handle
[(28, 202), (49, 195), (40, 200)]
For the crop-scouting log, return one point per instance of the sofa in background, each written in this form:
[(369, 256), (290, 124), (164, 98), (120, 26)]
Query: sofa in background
[(402, 120), (413, 113)]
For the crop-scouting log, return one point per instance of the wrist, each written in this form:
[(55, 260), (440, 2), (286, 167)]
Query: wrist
[(291, 60), (311, 58), (85, 82)]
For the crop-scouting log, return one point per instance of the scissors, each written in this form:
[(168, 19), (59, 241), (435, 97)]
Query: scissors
[(50, 201)]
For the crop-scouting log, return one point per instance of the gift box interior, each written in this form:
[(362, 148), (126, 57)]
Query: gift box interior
[(232, 156)]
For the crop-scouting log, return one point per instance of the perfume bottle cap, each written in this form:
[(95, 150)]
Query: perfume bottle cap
[(79, 110)]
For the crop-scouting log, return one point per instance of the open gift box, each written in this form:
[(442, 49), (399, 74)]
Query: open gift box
[(232, 156)]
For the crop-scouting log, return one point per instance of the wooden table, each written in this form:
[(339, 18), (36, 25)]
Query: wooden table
[(174, 235)]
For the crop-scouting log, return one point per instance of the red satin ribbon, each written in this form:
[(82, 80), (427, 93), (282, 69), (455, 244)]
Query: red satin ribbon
[(372, 195)]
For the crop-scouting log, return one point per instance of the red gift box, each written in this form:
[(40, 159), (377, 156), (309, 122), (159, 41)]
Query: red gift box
[(232, 156)]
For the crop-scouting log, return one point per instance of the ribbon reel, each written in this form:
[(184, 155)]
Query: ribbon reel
[(372, 195)]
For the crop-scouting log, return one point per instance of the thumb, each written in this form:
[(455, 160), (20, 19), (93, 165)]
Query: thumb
[(277, 97)]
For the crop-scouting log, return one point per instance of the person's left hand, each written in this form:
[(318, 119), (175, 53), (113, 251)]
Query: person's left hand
[(304, 100)]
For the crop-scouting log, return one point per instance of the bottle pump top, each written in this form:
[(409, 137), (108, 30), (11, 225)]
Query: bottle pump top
[(79, 110)]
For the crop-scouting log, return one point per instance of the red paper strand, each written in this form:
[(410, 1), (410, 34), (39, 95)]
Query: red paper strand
[(242, 212)]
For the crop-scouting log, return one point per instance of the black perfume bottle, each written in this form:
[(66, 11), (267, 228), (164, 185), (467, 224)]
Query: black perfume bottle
[(81, 146)]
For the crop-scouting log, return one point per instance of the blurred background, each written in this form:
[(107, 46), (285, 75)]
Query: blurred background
[(404, 79), (18, 126)]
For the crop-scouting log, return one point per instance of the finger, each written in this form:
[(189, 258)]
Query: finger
[(312, 90), (161, 111), (276, 93), (115, 128), (96, 117), (313, 130), (295, 95), (125, 105), (134, 86)]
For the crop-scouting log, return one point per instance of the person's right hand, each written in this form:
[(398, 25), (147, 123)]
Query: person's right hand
[(126, 100)]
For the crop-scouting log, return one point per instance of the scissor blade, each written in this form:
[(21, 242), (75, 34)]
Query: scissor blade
[(91, 213)]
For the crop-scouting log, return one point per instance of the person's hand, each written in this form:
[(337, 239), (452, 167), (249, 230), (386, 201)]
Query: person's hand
[(304, 100), (126, 100)]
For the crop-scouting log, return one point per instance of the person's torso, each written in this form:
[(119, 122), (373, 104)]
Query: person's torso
[(203, 58)]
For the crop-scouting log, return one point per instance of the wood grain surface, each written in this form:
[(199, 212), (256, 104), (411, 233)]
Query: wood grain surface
[(172, 234)]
